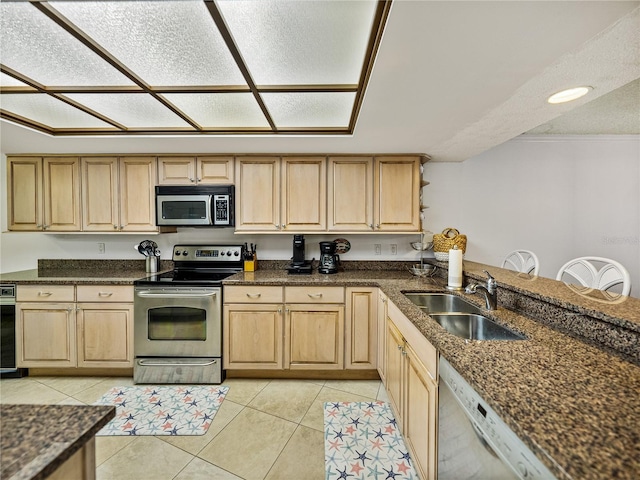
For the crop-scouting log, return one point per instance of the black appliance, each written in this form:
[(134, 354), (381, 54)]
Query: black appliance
[(8, 367), (329, 261), (178, 316), (195, 206), (298, 264)]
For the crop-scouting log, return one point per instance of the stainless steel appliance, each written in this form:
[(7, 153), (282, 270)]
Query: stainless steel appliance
[(178, 316), (193, 206), (8, 367), (473, 442), (298, 263), (329, 261)]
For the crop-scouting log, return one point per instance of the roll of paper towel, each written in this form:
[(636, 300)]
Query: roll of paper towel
[(455, 268)]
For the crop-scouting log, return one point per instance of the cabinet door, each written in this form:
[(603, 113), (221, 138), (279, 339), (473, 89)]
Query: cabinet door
[(361, 328), (62, 194), (314, 337), (304, 193), (176, 171), (382, 335), (24, 193), (45, 335), (137, 194), (215, 170), (100, 194), (420, 415), (350, 194), (394, 369), (397, 194), (258, 194), (252, 337), (105, 334)]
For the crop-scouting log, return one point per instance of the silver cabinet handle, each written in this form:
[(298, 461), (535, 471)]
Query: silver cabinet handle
[(284, 225), (314, 295), (191, 180), (104, 294), (254, 295), (44, 294), (115, 227), (377, 225), (371, 226)]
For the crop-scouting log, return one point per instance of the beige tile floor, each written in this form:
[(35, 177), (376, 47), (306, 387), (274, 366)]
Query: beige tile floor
[(265, 429)]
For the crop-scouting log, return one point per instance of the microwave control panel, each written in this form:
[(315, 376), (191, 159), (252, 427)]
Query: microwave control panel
[(221, 210)]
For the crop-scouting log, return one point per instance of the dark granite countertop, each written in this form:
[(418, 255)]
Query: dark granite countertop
[(84, 272), (36, 439), (575, 405)]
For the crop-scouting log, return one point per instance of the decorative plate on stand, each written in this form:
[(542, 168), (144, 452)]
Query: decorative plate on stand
[(342, 245)]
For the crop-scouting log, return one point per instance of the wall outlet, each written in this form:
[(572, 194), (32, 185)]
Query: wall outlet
[(378, 248), (101, 248), (394, 249)]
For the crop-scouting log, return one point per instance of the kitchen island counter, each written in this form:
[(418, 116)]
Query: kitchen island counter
[(37, 439), (573, 402)]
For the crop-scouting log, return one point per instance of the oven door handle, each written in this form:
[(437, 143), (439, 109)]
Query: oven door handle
[(175, 295), (183, 361)]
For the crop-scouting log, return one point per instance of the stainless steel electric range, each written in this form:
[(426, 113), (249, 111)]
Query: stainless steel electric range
[(178, 316)]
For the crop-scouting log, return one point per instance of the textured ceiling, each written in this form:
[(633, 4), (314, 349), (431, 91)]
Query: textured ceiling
[(452, 79)]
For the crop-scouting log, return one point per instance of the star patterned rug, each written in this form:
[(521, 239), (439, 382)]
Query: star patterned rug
[(362, 442), (162, 410)]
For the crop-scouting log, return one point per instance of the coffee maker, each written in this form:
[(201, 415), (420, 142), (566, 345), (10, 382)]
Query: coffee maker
[(329, 261), (298, 263)]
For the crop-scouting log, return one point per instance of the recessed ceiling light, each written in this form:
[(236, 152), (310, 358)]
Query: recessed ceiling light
[(569, 94)]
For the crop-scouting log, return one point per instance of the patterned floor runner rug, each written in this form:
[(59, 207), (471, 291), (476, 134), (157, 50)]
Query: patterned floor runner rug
[(162, 410), (362, 442)]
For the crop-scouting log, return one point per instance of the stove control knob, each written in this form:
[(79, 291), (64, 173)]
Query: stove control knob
[(236, 253), (222, 253), (178, 253), (229, 253)]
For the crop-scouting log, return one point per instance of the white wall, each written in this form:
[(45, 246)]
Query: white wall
[(562, 197)]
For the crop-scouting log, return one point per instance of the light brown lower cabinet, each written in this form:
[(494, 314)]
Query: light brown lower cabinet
[(361, 328), (74, 334), (291, 328), (412, 388)]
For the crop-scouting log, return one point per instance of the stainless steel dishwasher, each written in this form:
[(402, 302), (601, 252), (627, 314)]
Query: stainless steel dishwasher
[(473, 442)]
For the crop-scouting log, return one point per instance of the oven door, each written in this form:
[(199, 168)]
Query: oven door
[(183, 210), (178, 322)]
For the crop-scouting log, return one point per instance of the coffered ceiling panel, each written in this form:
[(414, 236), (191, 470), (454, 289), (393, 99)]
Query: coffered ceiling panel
[(188, 66)]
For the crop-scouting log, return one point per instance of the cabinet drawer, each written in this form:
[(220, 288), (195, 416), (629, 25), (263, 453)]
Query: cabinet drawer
[(314, 294), (46, 293), (105, 293), (253, 294)]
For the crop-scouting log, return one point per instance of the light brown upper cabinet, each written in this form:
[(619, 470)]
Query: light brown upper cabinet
[(43, 193), (195, 170), (277, 194), (396, 194), (118, 194), (350, 198), (374, 194)]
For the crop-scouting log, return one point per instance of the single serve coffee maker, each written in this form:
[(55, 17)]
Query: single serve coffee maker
[(329, 261), (298, 263)]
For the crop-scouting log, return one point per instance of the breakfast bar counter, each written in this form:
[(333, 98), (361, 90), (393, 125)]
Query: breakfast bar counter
[(38, 441)]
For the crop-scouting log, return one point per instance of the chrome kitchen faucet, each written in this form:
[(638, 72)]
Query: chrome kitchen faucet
[(490, 291)]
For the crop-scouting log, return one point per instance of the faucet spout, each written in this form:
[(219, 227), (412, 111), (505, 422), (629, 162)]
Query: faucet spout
[(490, 291)]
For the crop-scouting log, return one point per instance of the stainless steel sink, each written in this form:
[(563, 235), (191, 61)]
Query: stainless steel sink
[(441, 303), (474, 327)]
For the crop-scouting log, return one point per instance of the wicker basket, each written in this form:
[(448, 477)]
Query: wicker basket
[(450, 237)]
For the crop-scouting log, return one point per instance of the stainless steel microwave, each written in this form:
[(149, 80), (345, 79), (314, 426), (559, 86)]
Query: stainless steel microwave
[(195, 206)]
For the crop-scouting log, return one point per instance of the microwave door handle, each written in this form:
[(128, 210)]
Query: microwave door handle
[(175, 295), (209, 203)]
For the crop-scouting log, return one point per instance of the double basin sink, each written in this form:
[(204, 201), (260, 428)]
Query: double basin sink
[(460, 317)]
